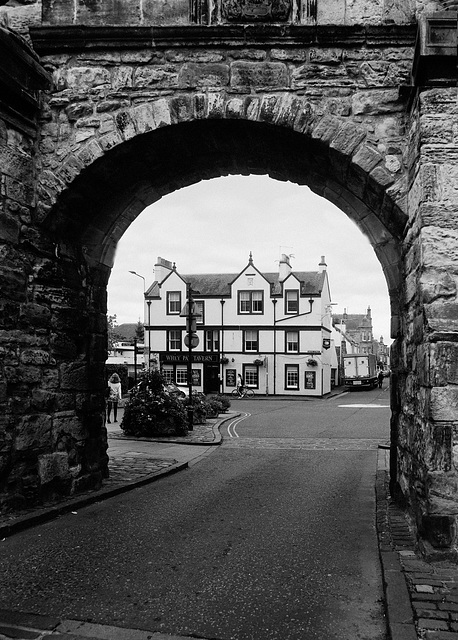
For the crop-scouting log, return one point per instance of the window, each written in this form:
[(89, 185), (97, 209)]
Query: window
[(173, 302), (292, 342), (182, 375), (174, 340), (212, 341), (250, 340), (199, 311), (251, 302), (291, 376), (250, 376), (292, 301), (168, 374)]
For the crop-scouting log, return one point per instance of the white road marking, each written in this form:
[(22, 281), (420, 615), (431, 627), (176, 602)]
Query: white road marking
[(364, 406), (231, 426)]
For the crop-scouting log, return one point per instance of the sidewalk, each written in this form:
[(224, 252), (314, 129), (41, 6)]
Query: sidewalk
[(421, 596), (133, 462)]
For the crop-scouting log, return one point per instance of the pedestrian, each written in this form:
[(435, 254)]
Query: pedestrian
[(115, 395), (239, 384), (380, 378)]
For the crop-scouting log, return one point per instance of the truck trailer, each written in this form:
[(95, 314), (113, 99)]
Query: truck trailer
[(360, 370)]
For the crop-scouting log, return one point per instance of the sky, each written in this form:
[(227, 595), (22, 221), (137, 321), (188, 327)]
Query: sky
[(212, 226)]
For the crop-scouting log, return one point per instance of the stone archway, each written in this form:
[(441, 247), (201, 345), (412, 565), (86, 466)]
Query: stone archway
[(92, 198), (128, 120)]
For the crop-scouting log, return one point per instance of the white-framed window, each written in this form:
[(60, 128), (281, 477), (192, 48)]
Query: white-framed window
[(251, 376), (251, 302), (292, 342), (250, 340), (174, 340), (291, 376), (292, 301), (212, 340), (168, 373), (173, 303), (182, 374)]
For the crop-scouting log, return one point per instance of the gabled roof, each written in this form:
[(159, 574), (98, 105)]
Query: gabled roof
[(219, 284), (354, 321)]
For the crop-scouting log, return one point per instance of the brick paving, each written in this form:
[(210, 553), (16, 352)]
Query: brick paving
[(309, 444), (430, 585)]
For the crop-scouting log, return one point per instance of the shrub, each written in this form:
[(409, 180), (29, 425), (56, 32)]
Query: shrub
[(151, 411), (199, 407), (224, 400), (217, 405)]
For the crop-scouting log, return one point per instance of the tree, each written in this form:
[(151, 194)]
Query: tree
[(113, 336), (140, 332)]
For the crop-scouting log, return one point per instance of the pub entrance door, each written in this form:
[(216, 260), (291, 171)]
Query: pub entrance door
[(211, 378)]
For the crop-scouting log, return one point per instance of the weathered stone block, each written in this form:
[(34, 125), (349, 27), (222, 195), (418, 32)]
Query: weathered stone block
[(437, 284), (203, 76), (444, 404), (35, 357), (376, 102), (34, 432), (53, 465), (258, 74), (66, 423), (164, 77)]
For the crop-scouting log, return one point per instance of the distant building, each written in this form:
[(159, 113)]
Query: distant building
[(123, 353), (274, 329), (356, 336)]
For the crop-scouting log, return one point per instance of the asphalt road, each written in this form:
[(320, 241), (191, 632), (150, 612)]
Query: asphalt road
[(270, 537)]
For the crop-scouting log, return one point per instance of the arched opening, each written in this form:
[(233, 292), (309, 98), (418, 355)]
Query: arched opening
[(99, 203), (107, 196)]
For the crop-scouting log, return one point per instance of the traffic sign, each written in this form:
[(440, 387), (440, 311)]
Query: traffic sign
[(192, 338)]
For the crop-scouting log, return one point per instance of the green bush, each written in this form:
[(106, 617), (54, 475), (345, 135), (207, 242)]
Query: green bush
[(152, 412), (222, 400), (214, 406), (199, 407)]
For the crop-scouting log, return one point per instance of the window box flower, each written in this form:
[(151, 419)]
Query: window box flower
[(312, 362), (258, 361)]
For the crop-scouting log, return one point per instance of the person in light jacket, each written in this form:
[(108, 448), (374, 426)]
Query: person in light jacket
[(114, 396)]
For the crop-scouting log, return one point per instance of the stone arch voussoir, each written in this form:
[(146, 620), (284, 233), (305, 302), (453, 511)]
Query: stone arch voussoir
[(354, 160)]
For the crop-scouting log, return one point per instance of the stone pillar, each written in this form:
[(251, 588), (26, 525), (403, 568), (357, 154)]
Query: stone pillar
[(428, 424), (52, 320)]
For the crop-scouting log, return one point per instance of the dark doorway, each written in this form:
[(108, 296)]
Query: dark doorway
[(211, 378)]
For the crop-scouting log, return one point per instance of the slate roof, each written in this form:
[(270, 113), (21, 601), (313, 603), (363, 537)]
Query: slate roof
[(354, 321), (219, 284)]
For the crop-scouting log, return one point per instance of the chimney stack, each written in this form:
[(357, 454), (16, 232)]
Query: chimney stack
[(162, 268), (322, 264), (284, 267)]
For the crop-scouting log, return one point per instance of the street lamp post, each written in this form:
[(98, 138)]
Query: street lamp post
[(134, 273)]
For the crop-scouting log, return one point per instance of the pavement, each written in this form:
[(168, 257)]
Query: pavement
[(421, 590)]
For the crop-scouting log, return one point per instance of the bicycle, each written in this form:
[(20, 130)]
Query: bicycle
[(243, 393)]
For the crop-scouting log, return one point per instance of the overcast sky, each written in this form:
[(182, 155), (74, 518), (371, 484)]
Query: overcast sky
[(212, 226)]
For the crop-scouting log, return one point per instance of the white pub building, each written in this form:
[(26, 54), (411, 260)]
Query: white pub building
[(272, 328)]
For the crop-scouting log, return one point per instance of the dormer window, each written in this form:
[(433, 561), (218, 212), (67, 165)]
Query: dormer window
[(292, 301)]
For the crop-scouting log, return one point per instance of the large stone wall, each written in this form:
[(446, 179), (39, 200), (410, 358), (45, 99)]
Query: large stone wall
[(130, 117), (428, 365)]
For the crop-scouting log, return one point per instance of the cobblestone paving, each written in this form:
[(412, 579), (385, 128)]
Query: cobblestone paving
[(201, 434), (129, 468), (311, 444), (432, 584)]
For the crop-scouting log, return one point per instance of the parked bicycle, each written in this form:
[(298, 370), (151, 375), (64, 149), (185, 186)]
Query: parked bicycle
[(243, 392)]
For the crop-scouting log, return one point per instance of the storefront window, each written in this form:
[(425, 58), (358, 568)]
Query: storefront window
[(291, 377), (250, 374)]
